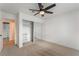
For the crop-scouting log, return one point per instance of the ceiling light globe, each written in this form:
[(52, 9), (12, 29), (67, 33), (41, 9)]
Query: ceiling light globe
[(42, 12)]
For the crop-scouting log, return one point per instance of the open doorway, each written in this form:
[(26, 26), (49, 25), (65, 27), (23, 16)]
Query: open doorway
[(8, 33)]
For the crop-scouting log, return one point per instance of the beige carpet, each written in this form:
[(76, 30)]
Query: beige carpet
[(39, 48)]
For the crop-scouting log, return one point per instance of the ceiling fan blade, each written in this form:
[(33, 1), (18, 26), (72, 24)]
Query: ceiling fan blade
[(34, 10), (53, 5), (40, 6), (36, 14), (49, 12)]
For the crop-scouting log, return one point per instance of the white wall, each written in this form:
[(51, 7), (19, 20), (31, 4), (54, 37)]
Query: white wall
[(37, 30), (63, 30), (29, 17), (17, 29), (8, 15)]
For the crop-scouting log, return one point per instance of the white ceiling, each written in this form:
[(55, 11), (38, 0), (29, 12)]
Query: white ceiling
[(60, 8)]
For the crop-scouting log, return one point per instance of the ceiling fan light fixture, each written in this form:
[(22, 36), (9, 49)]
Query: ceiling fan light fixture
[(42, 13)]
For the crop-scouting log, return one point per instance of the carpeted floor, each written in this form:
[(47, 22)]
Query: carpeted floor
[(39, 48)]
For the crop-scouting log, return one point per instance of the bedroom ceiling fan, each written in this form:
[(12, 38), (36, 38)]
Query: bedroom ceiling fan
[(43, 10)]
